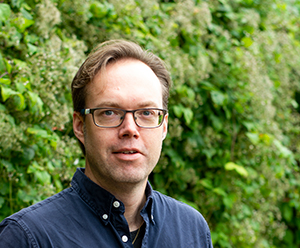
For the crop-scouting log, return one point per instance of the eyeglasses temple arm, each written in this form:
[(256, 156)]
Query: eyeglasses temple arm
[(85, 111)]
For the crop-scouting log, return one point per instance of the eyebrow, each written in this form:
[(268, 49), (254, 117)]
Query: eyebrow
[(146, 104)]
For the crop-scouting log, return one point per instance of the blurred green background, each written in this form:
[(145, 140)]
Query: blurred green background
[(233, 148)]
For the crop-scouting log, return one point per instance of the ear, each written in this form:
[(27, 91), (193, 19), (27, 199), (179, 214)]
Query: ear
[(165, 127), (78, 126)]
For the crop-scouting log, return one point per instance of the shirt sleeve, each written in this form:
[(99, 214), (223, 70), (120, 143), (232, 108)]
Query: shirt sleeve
[(209, 241), (12, 235)]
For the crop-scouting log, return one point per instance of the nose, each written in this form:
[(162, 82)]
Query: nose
[(128, 127)]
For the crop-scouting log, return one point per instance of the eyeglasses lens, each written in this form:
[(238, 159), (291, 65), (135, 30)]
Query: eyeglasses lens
[(148, 118)]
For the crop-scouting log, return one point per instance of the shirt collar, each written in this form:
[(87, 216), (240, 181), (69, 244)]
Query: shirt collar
[(100, 200), (149, 206)]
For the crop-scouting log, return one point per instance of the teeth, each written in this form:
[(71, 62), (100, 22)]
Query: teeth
[(129, 152)]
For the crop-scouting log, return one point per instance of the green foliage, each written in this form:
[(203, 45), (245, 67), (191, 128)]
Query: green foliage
[(233, 148)]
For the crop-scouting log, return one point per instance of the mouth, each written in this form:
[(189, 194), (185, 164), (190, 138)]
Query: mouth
[(128, 155), (129, 152), (126, 151)]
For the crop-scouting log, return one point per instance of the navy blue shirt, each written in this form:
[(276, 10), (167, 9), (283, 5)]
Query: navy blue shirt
[(86, 215)]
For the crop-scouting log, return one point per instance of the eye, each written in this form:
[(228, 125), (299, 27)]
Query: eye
[(147, 113), (108, 112)]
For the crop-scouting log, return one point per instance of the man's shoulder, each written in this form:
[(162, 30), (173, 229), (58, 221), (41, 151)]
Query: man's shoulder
[(50, 206), (18, 229), (176, 206), (176, 217)]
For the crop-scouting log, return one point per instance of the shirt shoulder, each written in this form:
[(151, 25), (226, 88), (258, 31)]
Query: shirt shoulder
[(13, 235), (19, 229), (176, 206), (52, 205), (181, 221)]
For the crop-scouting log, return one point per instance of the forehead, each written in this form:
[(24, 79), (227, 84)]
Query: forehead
[(124, 81)]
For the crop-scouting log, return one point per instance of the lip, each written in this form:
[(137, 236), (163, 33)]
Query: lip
[(127, 154), (127, 149)]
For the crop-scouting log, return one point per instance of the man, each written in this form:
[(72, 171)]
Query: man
[(120, 97)]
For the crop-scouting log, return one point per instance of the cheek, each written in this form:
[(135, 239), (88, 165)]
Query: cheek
[(94, 138), (154, 141)]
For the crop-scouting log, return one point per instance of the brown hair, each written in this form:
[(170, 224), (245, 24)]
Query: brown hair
[(112, 51)]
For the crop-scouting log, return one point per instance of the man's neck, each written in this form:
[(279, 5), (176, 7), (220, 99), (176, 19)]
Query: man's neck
[(133, 205), (133, 197)]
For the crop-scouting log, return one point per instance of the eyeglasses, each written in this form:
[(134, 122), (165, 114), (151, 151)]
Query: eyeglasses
[(114, 117)]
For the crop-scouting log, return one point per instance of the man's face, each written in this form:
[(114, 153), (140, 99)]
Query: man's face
[(127, 84)]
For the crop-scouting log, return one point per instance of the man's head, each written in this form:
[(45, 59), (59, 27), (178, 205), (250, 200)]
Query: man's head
[(106, 54)]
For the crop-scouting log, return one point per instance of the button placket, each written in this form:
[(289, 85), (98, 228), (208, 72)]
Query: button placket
[(118, 222), (124, 238), (116, 204)]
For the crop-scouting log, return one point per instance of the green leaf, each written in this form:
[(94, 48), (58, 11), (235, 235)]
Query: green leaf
[(4, 187), (36, 103), (209, 153), (34, 167), (40, 173), (2, 65), (227, 58), (58, 185), (217, 123), (2, 108), (28, 155), (207, 86), (178, 110), (32, 49), (20, 64), (188, 115), (18, 98), (22, 23), (7, 92), (5, 81), (5, 12), (17, 3), (43, 177), (160, 182), (229, 200), (38, 132), (249, 125), (175, 157), (295, 104), (54, 139), (19, 102), (218, 98), (238, 168), (219, 191), (254, 137), (98, 10), (184, 91), (207, 183), (247, 41), (50, 166), (26, 14), (284, 151), (287, 212), (1, 201), (8, 65), (8, 165)]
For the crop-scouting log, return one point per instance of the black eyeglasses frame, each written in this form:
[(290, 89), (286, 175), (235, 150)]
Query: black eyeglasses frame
[(92, 110)]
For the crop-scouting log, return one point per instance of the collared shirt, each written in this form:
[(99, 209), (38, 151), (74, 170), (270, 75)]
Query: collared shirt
[(86, 215)]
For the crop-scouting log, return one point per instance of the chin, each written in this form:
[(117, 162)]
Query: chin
[(132, 178)]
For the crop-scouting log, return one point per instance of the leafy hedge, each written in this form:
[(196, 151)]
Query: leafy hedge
[(233, 148)]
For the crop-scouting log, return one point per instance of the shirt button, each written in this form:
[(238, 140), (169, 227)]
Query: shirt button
[(116, 204), (124, 238), (105, 216), (152, 217)]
